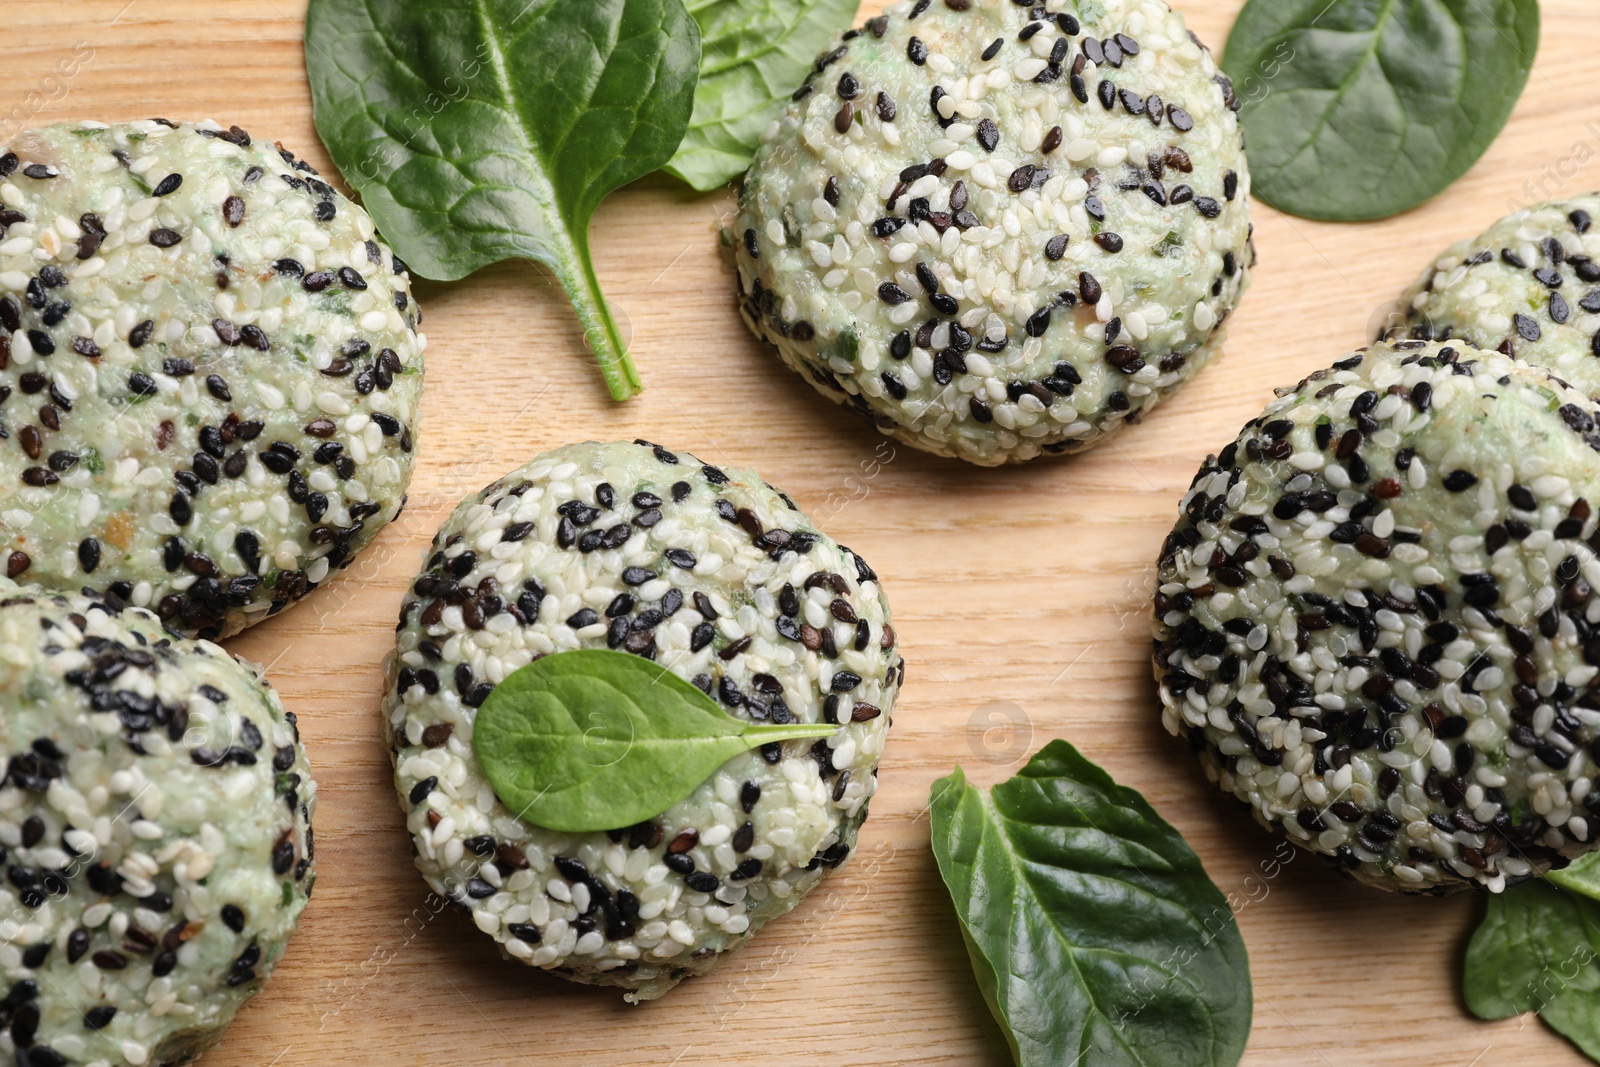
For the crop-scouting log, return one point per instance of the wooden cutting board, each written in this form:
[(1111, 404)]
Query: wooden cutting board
[(1020, 596)]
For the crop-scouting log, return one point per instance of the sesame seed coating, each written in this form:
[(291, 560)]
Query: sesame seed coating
[(1376, 624), (1529, 287), (209, 366), (718, 577), (155, 833), (1086, 251)]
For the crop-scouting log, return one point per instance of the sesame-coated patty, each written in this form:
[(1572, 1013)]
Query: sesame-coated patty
[(1000, 229), (209, 371), (718, 577), (1529, 286), (155, 831), (1376, 621)]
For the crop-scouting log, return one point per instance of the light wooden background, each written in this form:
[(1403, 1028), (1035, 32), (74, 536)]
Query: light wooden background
[(1020, 597)]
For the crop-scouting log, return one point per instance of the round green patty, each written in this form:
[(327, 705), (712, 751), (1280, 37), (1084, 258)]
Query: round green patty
[(719, 578), (156, 819), (1000, 231), (209, 371), (1376, 623), (1528, 286)]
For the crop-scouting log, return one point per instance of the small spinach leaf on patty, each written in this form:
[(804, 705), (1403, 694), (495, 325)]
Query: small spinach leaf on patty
[(1094, 932), (595, 739), (753, 55), (1364, 110), (1538, 949), (1582, 876), (483, 130)]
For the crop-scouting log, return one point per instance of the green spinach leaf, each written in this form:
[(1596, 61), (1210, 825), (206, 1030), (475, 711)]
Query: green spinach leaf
[(1094, 932), (1364, 110), (1582, 876), (596, 740), (753, 55), (1538, 949), (483, 130)]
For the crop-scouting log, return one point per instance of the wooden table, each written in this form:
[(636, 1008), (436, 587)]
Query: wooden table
[(1020, 596)]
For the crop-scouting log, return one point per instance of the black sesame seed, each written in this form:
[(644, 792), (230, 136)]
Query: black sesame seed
[(525, 932), (77, 944), (167, 185), (1559, 311), (892, 294), (1039, 322), (988, 134), (702, 881)]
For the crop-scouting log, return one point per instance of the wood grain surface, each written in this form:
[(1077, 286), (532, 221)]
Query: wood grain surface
[(1020, 596)]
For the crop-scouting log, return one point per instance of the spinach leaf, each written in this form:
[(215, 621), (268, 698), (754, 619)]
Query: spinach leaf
[(597, 740), (482, 130), (1094, 932), (1364, 110), (753, 55), (1538, 949), (1582, 876)]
